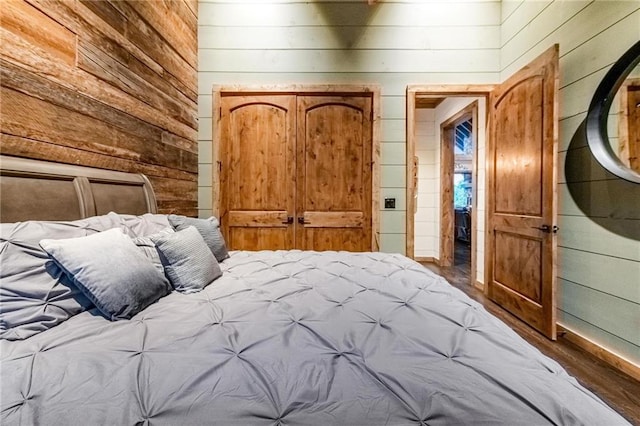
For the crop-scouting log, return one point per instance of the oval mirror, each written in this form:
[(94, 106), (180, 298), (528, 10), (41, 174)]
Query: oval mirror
[(613, 119)]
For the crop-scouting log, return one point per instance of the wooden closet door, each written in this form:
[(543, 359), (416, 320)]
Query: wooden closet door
[(334, 173), (257, 176)]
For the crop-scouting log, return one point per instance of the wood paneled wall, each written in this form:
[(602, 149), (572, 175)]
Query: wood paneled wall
[(599, 214), (108, 84)]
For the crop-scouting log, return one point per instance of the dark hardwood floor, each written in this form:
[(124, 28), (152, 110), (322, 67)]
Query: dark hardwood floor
[(617, 389)]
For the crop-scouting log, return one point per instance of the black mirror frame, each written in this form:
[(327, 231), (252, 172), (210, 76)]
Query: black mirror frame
[(596, 122)]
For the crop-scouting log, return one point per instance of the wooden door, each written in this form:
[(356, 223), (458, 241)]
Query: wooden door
[(258, 171), (521, 195), (334, 168), (629, 129)]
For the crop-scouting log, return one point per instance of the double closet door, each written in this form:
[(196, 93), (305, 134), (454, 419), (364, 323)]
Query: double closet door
[(296, 171)]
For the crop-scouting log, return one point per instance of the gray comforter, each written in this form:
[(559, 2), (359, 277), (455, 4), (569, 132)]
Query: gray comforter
[(295, 338)]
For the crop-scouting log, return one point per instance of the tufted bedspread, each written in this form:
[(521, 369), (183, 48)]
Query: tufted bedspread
[(295, 338)]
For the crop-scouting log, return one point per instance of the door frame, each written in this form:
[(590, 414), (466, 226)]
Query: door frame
[(219, 90), (447, 165), (448, 90)]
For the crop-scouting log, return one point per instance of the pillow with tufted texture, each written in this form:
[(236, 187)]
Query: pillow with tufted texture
[(143, 225), (35, 295)]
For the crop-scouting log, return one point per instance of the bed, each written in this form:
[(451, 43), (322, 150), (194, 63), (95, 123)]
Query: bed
[(280, 337)]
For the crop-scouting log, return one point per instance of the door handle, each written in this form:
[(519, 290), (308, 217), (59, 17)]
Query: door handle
[(301, 221), (289, 220), (547, 228)]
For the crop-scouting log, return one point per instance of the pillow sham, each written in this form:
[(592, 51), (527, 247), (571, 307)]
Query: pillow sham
[(110, 271), (209, 229), (35, 295), (143, 225), (188, 262)]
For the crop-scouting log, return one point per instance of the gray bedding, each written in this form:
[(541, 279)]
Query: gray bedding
[(292, 337)]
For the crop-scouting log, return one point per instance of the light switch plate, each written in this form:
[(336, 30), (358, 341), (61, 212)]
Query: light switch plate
[(389, 203)]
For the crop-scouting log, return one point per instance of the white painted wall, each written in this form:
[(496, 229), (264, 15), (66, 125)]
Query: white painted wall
[(426, 219), (598, 257)]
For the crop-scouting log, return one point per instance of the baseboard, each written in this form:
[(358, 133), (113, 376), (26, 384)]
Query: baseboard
[(427, 260), (479, 286), (601, 353)]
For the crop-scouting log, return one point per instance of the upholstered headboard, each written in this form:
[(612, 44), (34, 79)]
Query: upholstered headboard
[(41, 190)]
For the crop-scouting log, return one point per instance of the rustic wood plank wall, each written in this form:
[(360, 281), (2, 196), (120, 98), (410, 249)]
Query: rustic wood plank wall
[(108, 84)]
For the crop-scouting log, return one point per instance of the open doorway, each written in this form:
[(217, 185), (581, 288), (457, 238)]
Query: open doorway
[(520, 164), (458, 182), (445, 192)]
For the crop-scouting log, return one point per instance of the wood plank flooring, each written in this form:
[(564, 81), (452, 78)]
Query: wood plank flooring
[(617, 389)]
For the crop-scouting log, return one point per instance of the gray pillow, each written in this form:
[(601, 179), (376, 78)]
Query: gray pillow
[(148, 247), (208, 228), (35, 295), (143, 225), (187, 260), (110, 271)]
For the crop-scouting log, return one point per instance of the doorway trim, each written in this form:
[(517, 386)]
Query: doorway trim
[(218, 90), (413, 92), (447, 165)]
